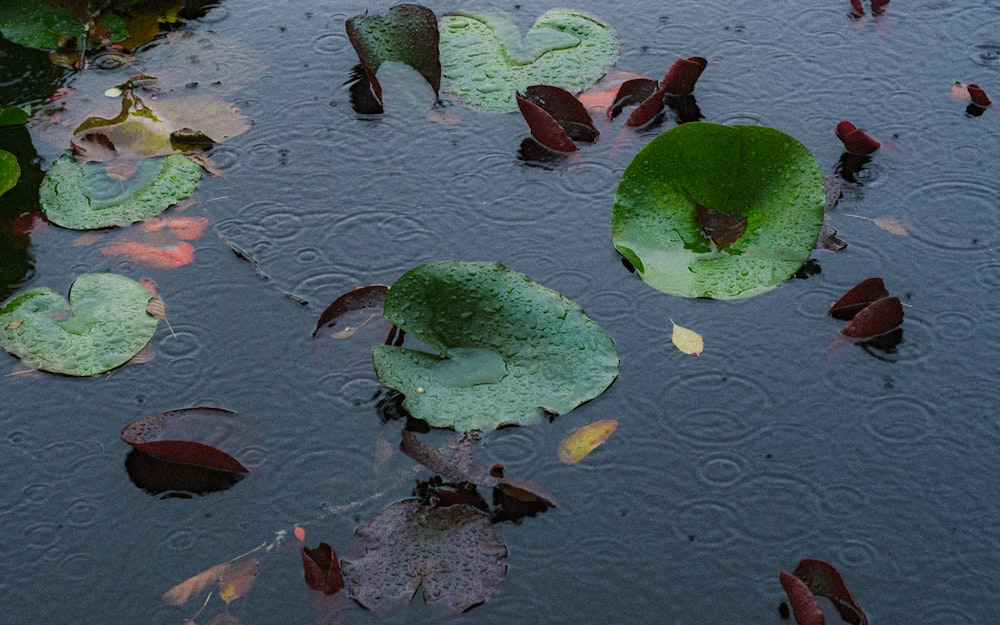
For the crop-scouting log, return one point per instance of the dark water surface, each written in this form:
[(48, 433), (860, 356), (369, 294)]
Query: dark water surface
[(778, 443)]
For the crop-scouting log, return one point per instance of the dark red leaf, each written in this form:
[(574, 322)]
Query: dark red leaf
[(205, 436), (322, 569), (876, 318), (556, 117), (858, 297), (857, 8), (646, 111), (632, 92), (804, 604), (978, 96), (878, 6), (723, 229), (683, 75), (370, 298), (824, 580), (856, 140)]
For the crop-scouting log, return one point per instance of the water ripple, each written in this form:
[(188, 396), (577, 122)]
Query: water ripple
[(900, 421), (955, 213)]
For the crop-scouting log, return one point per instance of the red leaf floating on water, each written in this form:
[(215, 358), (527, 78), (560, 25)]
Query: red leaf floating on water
[(856, 140), (878, 6), (683, 75), (556, 118), (322, 569), (979, 97), (858, 297), (804, 605), (821, 578), (205, 436), (858, 9), (877, 318), (632, 91)]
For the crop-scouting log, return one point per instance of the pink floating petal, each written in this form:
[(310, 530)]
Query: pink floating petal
[(683, 75), (978, 96), (155, 257), (856, 140)]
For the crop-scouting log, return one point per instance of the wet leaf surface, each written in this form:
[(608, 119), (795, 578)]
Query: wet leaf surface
[(10, 171), (581, 441), (84, 196), (101, 327), (485, 60), (205, 436), (777, 186), (453, 554), (509, 349)]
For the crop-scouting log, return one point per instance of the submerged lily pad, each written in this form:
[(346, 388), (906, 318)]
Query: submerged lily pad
[(103, 325), (84, 196), (509, 349), (485, 61), (454, 554), (750, 173), (10, 171), (40, 25)]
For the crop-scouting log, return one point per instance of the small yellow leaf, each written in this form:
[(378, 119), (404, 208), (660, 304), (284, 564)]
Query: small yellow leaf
[(688, 341), (237, 581), (14, 325), (582, 441)]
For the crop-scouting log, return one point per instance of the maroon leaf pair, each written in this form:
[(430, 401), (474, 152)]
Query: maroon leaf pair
[(979, 97), (322, 569), (856, 140), (557, 119), (869, 308), (816, 577)]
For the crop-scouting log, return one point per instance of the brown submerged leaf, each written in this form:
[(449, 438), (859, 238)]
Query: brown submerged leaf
[(721, 228)]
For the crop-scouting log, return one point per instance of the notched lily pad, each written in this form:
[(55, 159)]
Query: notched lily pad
[(479, 316), (102, 326), (485, 61), (750, 173), (453, 554), (83, 196)]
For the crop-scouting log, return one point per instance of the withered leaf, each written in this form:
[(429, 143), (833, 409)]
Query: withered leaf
[(192, 586), (236, 581), (721, 228), (92, 147)]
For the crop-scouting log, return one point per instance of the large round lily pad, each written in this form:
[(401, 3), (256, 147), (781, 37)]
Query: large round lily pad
[(693, 189), (485, 61), (103, 325), (509, 349), (84, 196)]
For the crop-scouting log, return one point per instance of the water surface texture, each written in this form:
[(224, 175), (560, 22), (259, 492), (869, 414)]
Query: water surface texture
[(779, 442)]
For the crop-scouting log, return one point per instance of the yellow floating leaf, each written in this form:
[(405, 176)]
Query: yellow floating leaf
[(237, 581), (181, 593), (582, 441), (688, 341)]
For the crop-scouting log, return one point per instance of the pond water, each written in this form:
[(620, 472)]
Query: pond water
[(779, 442)]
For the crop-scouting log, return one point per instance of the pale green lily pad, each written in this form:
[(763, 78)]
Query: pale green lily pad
[(485, 61), (10, 171), (509, 349), (84, 197), (39, 25), (759, 173), (102, 326)]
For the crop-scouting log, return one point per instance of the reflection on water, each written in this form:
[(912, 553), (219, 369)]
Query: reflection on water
[(777, 443)]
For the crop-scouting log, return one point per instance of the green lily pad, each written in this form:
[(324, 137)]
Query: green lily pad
[(84, 196), (10, 171), (746, 172), (40, 25), (485, 61), (509, 349), (14, 116), (102, 326)]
